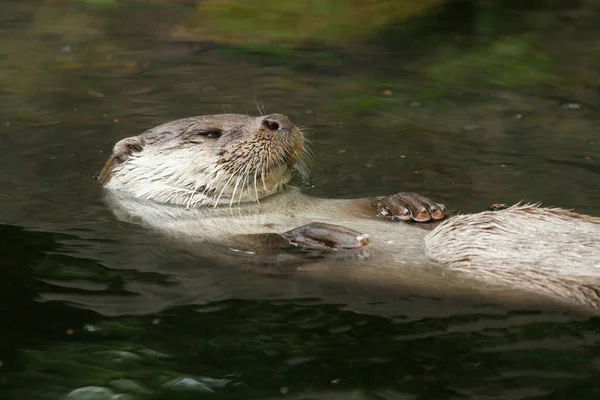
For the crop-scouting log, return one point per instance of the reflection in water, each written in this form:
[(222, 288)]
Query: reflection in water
[(87, 301)]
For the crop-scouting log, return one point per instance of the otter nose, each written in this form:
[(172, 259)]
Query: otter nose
[(277, 123)]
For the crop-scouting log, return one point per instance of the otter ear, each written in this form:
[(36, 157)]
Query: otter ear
[(126, 147), (122, 150)]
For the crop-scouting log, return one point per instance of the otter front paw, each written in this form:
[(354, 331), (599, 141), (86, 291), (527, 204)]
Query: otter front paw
[(327, 237), (409, 206)]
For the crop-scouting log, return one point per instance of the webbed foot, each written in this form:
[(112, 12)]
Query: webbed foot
[(405, 206), (325, 237)]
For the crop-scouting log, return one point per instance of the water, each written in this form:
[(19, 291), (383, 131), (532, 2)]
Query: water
[(86, 301)]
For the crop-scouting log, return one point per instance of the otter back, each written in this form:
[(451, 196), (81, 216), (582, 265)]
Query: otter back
[(548, 250)]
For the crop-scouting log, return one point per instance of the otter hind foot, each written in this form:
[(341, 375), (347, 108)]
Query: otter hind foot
[(405, 206), (325, 237)]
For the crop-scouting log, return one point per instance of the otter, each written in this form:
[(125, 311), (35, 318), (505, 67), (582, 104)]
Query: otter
[(220, 184)]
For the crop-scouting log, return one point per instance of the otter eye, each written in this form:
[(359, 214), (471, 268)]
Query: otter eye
[(213, 134), (271, 124)]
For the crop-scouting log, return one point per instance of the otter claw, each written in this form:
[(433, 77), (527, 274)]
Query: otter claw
[(328, 237), (409, 206)]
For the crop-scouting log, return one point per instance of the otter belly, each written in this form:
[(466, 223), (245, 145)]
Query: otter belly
[(221, 176), (523, 254)]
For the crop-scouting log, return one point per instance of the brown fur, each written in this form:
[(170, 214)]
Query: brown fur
[(553, 251), (207, 160), (122, 150), (523, 252), (107, 170)]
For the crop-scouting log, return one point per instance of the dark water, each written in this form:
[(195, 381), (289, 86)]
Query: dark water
[(86, 301)]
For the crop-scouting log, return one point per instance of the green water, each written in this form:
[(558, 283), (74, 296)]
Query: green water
[(499, 107)]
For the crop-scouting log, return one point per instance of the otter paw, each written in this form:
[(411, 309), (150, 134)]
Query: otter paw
[(409, 206), (325, 237)]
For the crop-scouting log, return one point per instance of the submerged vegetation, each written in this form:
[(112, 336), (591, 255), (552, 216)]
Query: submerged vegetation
[(327, 22), (443, 44)]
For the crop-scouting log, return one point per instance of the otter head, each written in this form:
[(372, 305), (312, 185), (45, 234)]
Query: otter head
[(208, 160)]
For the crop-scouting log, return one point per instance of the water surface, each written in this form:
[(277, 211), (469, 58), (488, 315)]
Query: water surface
[(89, 302)]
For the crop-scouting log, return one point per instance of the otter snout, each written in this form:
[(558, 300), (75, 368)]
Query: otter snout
[(278, 123)]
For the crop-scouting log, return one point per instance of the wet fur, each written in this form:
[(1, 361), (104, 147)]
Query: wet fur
[(526, 251), (550, 250), (246, 162)]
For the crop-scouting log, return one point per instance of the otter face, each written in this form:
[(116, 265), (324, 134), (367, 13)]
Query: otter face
[(208, 160)]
